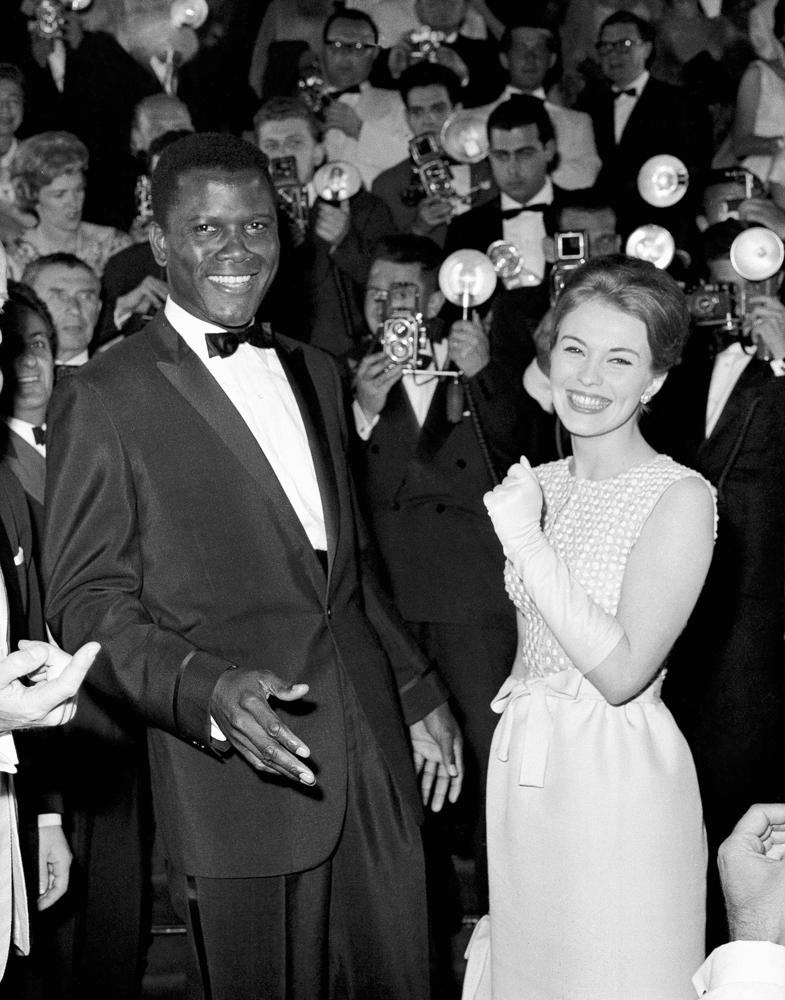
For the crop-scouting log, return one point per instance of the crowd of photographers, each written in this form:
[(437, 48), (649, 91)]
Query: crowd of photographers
[(440, 167)]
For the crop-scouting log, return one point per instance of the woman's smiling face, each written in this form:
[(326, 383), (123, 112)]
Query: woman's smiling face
[(601, 365)]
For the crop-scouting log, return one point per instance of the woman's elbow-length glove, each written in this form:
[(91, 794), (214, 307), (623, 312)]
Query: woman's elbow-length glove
[(585, 632)]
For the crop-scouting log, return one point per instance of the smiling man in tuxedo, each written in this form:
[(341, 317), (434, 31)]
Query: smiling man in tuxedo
[(210, 538)]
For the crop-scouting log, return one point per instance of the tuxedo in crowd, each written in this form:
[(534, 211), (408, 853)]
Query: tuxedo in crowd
[(364, 125), (475, 61), (422, 467), (636, 117), (324, 262), (722, 412), (221, 563), (522, 149), (529, 54), (431, 93)]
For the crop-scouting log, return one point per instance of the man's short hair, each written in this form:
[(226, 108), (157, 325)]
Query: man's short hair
[(201, 151), (406, 248), (645, 29), (427, 74), (8, 71), (536, 23), (521, 110), (279, 109), (350, 14), (22, 297), (33, 270)]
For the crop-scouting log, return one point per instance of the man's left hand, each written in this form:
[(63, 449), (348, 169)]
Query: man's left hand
[(54, 865), (332, 222), (766, 316), (468, 346), (339, 115), (438, 756)]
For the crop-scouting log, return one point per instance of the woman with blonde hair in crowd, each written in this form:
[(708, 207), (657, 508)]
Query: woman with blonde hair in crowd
[(49, 175)]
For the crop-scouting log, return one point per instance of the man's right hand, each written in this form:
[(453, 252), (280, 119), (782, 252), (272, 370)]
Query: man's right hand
[(752, 871), (431, 212), (240, 707), (374, 378)]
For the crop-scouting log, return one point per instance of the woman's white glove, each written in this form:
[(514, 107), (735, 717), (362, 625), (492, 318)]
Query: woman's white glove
[(586, 633)]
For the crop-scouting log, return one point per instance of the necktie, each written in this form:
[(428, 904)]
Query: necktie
[(63, 371), (513, 213), (335, 94), (225, 343), (631, 92), (39, 435)]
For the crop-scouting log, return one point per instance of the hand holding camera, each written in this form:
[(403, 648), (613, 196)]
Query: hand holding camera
[(332, 222), (468, 346), (432, 211), (374, 378), (766, 325)]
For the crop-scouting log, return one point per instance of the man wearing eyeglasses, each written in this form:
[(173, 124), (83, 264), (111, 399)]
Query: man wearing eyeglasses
[(636, 117), (365, 126)]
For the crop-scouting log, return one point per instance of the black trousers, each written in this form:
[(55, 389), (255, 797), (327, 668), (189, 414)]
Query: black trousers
[(353, 928)]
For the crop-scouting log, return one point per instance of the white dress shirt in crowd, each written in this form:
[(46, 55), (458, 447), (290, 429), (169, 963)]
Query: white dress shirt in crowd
[(527, 230), (743, 970), (624, 104), (256, 384), (25, 432), (728, 366), (384, 136), (419, 390), (7, 190)]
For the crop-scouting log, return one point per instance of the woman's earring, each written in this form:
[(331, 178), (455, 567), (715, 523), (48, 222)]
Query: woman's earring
[(645, 397)]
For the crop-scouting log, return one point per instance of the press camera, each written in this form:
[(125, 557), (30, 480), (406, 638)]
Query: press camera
[(401, 331), (291, 196), (48, 16), (572, 250)]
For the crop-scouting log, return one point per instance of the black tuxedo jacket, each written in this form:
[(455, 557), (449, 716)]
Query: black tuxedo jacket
[(664, 120), (515, 313), (173, 544), (727, 685), (29, 466), (424, 487)]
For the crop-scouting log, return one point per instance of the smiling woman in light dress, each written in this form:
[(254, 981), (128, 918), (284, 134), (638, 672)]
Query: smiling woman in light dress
[(595, 836)]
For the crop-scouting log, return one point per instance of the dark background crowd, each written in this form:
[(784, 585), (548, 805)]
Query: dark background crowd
[(565, 102)]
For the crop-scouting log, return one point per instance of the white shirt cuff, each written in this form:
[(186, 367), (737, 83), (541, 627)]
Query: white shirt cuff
[(743, 970), (363, 425), (216, 733), (50, 819)]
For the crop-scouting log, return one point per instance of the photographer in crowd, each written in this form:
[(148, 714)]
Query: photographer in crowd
[(722, 411), (422, 470)]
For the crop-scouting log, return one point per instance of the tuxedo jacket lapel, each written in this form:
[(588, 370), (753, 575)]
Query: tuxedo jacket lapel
[(189, 377), (437, 428), (732, 423), (292, 358), (28, 465)]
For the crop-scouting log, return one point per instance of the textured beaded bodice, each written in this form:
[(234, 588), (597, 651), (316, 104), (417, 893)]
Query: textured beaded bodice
[(593, 525)]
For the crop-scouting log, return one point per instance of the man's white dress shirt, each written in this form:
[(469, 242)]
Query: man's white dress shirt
[(384, 136), (624, 104), (527, 230), (256, 384)]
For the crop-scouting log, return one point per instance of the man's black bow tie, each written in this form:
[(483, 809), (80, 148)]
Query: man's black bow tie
[(39, 435), (225, 343), (335, 94), (63, 371), (513, 213), (630, 92)]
